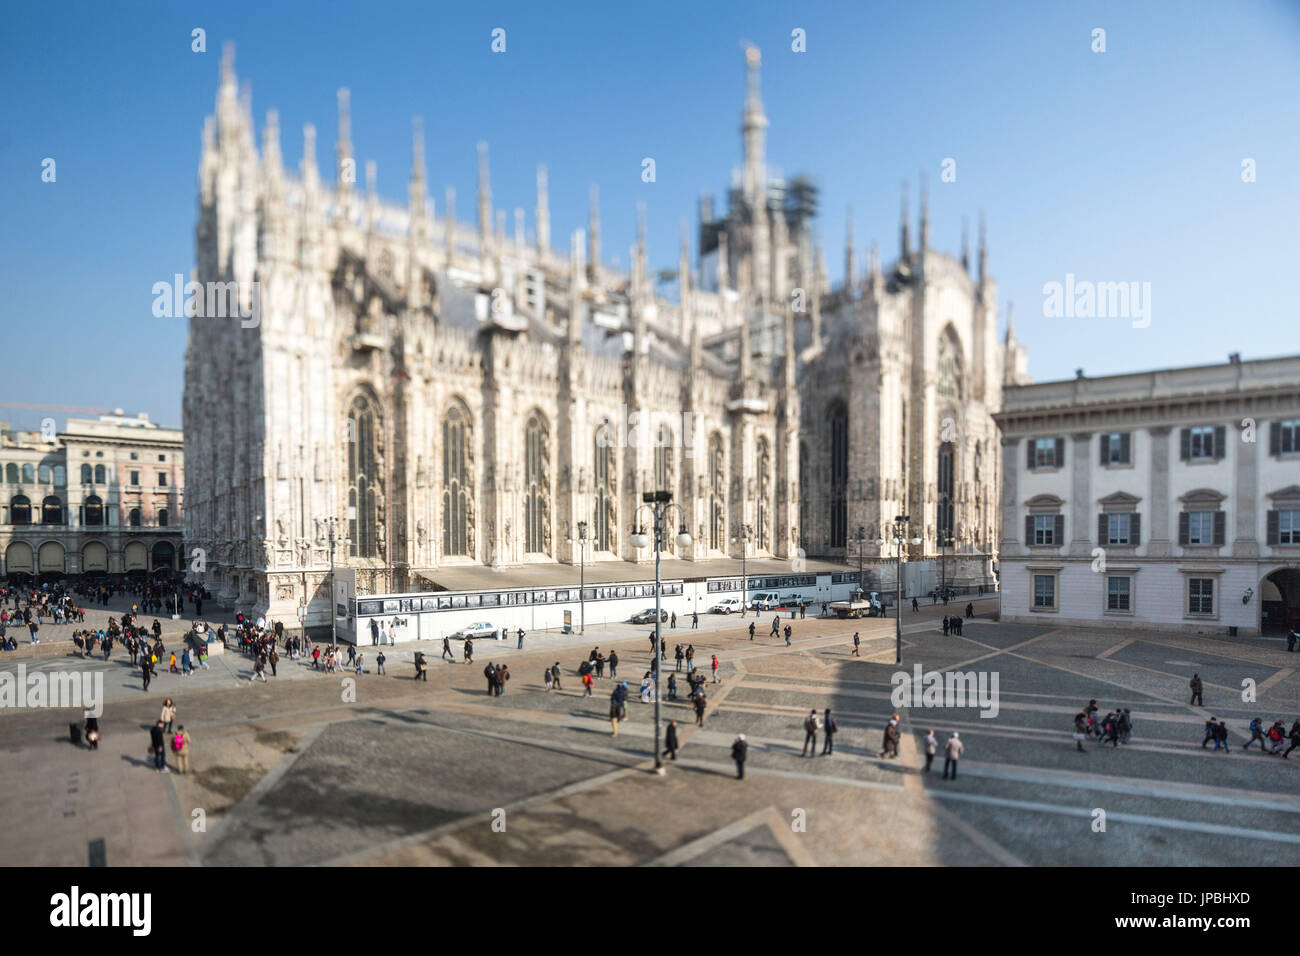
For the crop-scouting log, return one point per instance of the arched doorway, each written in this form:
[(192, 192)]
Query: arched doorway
[(94, 558), (50, 563), (1279, 601), (135, 557), (164, 556), (19, 561)]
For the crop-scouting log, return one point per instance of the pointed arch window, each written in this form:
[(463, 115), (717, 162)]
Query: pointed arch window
[(949, 367), (944, 512), (718, 494), (603, 470), (537, 486), (838, 424), (664, 458), (363, 480), (457, 456)]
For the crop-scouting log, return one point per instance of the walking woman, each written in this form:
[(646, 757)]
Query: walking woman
[(168, 716)]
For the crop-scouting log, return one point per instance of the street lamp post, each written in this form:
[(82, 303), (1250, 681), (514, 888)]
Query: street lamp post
[(899, 539), (582, 577), (742, 537), (659, 502), (861, 539)]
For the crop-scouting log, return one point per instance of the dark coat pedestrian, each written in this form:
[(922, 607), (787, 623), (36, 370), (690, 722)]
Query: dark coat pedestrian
[(740, 753), (670, 740)]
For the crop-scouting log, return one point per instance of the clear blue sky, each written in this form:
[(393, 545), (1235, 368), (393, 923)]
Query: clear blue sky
[(1117, 166)]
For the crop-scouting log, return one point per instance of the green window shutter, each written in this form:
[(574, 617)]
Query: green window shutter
[(1135, 529), (1272, 527), (1058, 530), (1103, 527), (1184, 529), (1220, 525)]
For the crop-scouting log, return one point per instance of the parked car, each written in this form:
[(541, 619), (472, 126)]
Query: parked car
[(727, 606), (765, 601), (648, 616), (479, 631)]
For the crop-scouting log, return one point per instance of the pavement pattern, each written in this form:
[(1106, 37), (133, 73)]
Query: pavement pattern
[(377, 770)]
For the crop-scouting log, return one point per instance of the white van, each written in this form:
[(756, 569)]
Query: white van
[(765, 601)]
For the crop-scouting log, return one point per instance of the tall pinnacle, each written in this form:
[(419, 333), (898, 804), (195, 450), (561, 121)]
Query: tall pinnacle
[(753, 126)]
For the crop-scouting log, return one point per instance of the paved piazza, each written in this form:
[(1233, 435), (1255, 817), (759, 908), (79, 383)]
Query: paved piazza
[(287, 773)]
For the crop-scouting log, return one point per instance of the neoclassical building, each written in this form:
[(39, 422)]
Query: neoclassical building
[(447, 393), (102, 497)]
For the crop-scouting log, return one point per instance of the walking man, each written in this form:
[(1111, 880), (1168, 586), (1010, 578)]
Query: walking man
[(156, 746), (831, 728), (1256, 733), (776, 626), (739, 753), (1195, 685), (810, 727), (857, 644), (751, 630), (700, 702), (714, 666), (695, 619), (931, 748), (951, 754), (379, 663), (469, 651), (670, 741)]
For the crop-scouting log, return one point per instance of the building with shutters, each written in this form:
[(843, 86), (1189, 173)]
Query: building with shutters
[(1158, 499), (103, 497)]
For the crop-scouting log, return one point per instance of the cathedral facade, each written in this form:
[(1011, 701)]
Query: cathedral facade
[(417, 392)]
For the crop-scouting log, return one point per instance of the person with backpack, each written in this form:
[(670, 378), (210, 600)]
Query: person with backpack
[(1294, 736), (181, 749), (1221, 737), (739, 753), (490, 672), (1256, 733), (587, 682), (831, 728), (618, 706), (810, 727)]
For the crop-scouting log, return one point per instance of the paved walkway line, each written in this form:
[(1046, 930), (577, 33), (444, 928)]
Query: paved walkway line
[(696, 848), (1137, 819), (1273, 681), (981, 840), (1105, 655), (267, 782), (1139, 786)]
